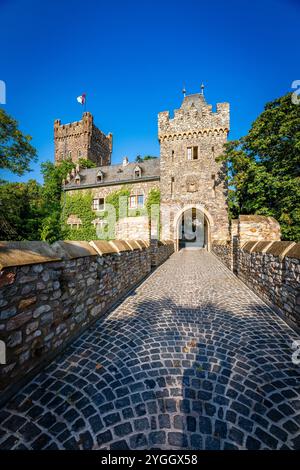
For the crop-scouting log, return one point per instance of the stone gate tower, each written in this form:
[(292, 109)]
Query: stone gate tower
[(190, 178), (82, 139)]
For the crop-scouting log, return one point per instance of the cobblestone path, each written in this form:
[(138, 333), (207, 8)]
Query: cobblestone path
[(190, 360)]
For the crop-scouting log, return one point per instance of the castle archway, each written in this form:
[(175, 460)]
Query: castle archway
[(192, 228)]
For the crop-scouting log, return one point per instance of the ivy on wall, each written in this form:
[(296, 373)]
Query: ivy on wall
[(80, 205), (119, 199), (153, 199)]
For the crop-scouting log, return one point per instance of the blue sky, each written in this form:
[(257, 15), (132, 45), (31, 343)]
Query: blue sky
[(132, 58)]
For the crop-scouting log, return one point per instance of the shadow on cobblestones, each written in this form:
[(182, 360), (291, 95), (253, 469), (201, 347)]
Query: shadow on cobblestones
[(178, 364)]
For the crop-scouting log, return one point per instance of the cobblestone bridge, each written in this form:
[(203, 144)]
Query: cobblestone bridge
[(191, 359)]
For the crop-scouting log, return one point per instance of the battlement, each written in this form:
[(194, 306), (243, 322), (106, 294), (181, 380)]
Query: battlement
[(194, 115), (82, 139)]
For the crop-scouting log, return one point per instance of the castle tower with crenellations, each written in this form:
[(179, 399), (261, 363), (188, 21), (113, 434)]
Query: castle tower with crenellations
[(190, 174), (82, 139)]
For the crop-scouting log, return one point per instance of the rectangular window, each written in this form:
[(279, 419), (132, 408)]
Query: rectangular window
[(132, 202), (192, 153), (173, 155), (140, 201), (136, 201), (172, 185), (98, 204)]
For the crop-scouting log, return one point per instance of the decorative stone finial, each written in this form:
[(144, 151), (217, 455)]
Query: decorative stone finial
[(202, 88)]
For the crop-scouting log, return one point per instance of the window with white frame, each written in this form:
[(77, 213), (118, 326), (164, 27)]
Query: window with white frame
[(192, 153), (136, 201), (98, 204)]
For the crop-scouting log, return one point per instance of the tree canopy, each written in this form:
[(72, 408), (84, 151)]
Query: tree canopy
[(264, 167), (16, 152), (140, 159)]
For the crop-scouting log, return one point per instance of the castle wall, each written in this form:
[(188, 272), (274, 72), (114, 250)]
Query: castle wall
[(270, 267), (49, 294), (83, 140), (198, 182)]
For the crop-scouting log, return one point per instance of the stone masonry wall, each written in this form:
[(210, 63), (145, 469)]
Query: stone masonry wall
[(272, 270), (133, 228), (46, 303), (160, 251), (223, 250), (270, 267), (50, 294), (82, 139)]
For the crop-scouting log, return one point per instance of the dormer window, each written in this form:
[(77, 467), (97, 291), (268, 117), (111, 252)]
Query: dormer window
[(99, 176), (137, 172)]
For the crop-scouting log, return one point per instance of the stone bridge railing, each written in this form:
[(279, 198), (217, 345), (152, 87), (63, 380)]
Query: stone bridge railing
[(270, 267), (50, 293)]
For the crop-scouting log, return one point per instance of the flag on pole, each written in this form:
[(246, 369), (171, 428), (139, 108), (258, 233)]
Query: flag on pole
[(81, 98)]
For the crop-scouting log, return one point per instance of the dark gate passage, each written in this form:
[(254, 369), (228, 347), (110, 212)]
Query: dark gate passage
[(193, 229)]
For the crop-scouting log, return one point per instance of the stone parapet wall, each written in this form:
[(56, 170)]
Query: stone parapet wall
[(223, 250), (160, 251), (50, 294), (272, 270)]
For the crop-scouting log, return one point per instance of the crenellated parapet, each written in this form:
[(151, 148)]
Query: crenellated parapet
[(194, 117), (82, 139)]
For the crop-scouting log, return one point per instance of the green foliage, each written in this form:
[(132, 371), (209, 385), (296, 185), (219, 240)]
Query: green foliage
[(140, 159), (79, 204), (264, 167), (119, 200), (153, 201), (83, 163), (52, 192), (16, 152), (21, 211), (153, 198)]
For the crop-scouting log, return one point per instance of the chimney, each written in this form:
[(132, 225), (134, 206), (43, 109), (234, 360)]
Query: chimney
[(125, 161)]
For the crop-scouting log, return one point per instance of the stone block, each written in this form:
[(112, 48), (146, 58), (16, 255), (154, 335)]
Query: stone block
[(73, 249), (261, 247), (293, 252), (134, 245), (248, 247), (103, 247), (120, 245), (25, 252), (279, 248)]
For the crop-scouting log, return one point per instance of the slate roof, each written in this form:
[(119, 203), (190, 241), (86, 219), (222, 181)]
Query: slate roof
[(116, 174)]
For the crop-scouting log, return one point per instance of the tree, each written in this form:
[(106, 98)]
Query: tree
[(52, 195), (140, 159), (16, 152), (21, 211), (264, 167)]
